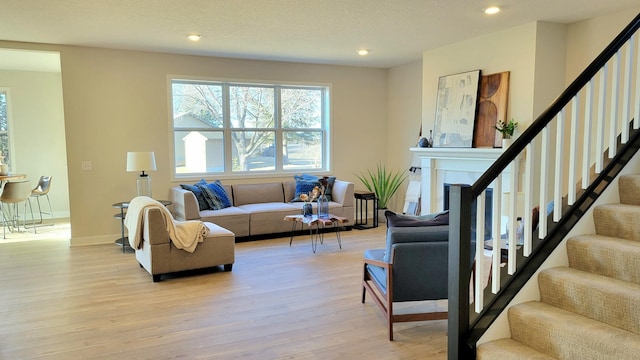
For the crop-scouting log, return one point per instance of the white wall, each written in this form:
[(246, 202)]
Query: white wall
[(404, 120), (37, 131), (117, 101)]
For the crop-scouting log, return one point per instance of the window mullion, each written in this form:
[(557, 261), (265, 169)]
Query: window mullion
[(278, 128), (226, 122)]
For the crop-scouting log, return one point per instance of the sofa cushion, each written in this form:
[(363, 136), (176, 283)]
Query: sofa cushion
[(257, 193), (202, 203)]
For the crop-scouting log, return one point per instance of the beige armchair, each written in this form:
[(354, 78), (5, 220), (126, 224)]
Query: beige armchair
[(159, 256)]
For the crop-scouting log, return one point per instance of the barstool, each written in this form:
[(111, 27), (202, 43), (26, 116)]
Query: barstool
[(42, 189), (14, 193)]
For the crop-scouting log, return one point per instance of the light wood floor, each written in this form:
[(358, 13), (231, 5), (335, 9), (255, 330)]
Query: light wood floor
[(279, 302)]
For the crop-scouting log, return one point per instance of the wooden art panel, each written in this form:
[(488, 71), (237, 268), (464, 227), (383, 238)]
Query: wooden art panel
[(492, 106)]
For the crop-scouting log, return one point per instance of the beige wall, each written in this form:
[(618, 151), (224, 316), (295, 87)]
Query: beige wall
[(116, 101), (37, 131), (586, 39), (509, 50), (404, 119)]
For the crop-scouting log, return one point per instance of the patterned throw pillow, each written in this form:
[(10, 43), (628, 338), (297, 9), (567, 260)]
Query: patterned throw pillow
[(220, 191), (215, 195), (202, 203), (304, 185)]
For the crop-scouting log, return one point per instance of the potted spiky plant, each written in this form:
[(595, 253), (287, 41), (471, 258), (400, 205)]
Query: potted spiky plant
[(382, 182)]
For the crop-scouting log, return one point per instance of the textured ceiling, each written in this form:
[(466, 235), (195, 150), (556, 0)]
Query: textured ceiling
[(315, 31)]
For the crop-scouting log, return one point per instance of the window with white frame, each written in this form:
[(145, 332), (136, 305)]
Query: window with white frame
[(4, 126), (225, 128)]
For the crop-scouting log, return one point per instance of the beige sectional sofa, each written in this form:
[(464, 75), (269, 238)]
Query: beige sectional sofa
[(259, 209)]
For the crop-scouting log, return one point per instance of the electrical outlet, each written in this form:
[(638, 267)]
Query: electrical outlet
[(87, 165)]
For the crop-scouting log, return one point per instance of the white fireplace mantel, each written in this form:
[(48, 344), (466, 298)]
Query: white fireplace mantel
[(450, 165)]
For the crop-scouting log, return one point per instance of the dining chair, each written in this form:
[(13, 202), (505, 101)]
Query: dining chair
[(12, 195), (42, 189)]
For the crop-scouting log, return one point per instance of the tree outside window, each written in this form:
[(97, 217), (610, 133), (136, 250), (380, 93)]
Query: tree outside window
[(4, 128), (234, 128)]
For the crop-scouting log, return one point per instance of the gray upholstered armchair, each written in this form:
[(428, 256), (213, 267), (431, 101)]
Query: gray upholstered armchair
[(412, 267)]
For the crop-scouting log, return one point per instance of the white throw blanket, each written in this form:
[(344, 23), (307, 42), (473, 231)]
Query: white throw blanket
[(183, 234)]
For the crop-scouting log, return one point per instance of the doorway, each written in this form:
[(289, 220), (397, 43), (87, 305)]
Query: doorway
[(35, 129)]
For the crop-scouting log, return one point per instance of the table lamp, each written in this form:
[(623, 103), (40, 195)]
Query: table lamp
[(142, 161)]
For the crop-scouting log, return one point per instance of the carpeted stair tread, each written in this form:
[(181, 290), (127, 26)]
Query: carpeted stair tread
[(605, 255), (601, 298), (629, 189), (619, 220), (508, 349), (565, 335)]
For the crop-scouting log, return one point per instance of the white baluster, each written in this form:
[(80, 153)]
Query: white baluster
[(613, 115), (573, 151), (559, 176), (479, 282), (588, 120), (544, 179), (626, 92), (601, 109), (528, 197), (496, 244)]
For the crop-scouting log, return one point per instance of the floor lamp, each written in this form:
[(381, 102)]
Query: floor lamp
[(142, 161)]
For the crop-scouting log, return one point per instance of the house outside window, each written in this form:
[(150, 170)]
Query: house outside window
[(227, 128), (4, 126)]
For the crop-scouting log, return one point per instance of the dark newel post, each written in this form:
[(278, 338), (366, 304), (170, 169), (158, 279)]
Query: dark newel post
[(459, 271)]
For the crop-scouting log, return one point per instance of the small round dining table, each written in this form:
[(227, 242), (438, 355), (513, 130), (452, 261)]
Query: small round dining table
[(9, 177)]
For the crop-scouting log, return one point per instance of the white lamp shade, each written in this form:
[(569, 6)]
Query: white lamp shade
[(141, 161)]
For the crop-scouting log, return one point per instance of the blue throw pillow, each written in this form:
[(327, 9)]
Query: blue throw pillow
[(215, 195), (304, 185), (220, 192), (202, 203)]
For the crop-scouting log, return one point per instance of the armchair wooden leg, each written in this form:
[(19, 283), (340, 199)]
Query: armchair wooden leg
[(364, 281)]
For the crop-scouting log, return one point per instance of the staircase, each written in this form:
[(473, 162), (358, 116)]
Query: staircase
[(591, 309)]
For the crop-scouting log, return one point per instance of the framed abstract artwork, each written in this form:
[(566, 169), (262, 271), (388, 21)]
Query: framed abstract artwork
[(456, 109)]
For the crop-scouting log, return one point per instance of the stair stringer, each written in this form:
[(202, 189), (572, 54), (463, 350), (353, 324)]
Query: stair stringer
[(530, 292)]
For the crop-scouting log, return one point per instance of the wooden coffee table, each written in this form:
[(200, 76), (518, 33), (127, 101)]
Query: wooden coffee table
[(314, 223)]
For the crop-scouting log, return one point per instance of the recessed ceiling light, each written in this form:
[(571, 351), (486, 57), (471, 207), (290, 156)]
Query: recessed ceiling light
[(194, 37), (492, 10), (362, 52)]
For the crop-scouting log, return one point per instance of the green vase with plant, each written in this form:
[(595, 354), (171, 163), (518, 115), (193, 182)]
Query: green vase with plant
[(382, 182)]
